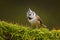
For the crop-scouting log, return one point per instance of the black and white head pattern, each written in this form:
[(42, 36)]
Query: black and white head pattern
[(30, 14)]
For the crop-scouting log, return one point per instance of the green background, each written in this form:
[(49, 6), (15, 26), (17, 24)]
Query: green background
[(15, 11)]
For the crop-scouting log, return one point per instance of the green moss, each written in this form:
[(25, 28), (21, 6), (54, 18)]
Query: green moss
[(9, 31)]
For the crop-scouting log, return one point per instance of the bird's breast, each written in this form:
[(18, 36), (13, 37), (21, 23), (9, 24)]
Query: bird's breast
[(32, 21)]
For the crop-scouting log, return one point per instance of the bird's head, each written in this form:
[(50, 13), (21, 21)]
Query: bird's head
[(31, 13)]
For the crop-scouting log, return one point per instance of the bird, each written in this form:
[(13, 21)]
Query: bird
[(34, 19)]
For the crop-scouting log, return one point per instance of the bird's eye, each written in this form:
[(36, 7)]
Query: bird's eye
[(33, 13), (29, 14)]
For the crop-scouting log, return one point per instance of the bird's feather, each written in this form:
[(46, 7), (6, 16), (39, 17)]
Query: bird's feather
[(39, 19)]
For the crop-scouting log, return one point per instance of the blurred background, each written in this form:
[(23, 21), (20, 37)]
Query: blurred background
[(15, 11)]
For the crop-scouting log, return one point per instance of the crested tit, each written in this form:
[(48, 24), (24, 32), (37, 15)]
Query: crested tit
[(34, 19)]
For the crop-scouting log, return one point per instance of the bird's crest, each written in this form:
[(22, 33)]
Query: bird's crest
[(30, 10)]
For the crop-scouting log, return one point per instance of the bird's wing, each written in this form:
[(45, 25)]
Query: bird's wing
[(39, 19), (41, 23)]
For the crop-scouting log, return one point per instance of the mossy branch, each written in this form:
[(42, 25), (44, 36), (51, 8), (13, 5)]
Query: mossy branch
[(9, 31)]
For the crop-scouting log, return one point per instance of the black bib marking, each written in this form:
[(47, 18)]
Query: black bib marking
[(29, 18)]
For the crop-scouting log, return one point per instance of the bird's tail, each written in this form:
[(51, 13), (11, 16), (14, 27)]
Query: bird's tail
[(44, 26)]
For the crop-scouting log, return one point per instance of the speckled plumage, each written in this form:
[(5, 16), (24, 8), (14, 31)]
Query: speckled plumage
[(34, 19)]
